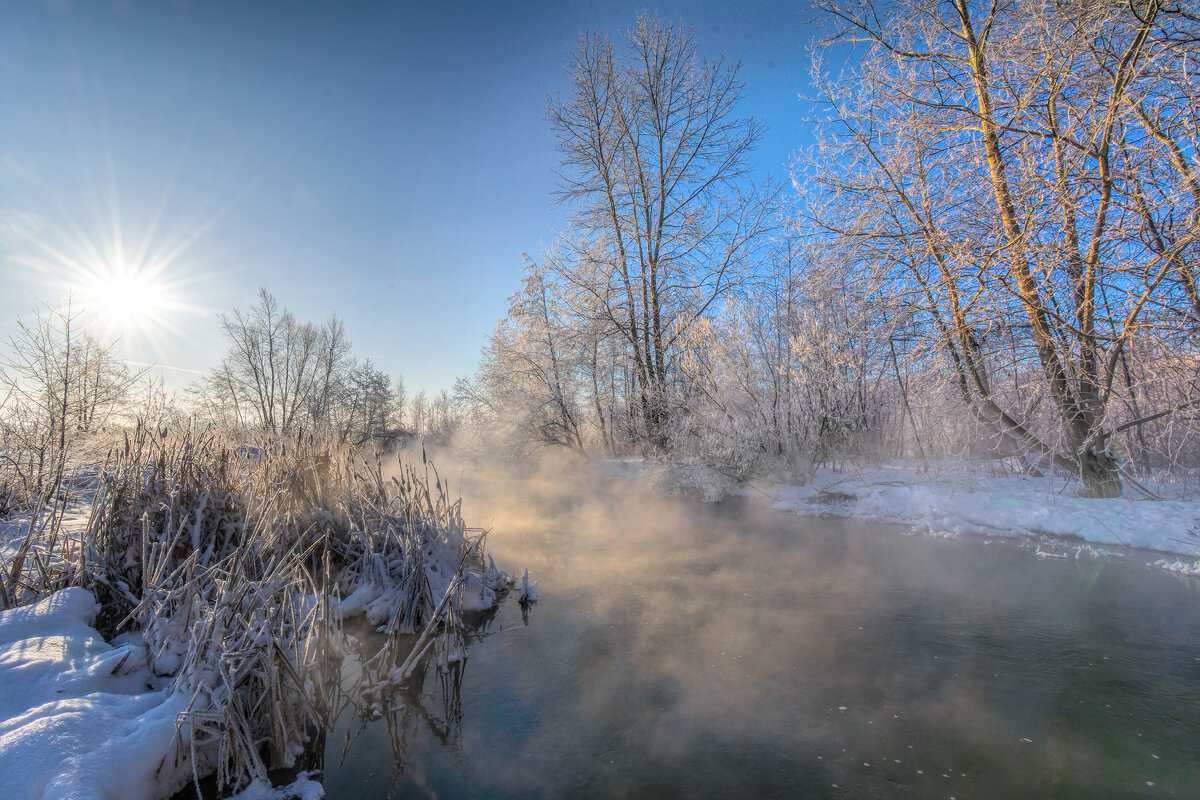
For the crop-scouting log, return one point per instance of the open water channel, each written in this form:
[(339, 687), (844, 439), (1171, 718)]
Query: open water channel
[(682, 649)]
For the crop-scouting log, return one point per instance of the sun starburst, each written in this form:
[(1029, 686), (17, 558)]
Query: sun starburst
[(125, 298)]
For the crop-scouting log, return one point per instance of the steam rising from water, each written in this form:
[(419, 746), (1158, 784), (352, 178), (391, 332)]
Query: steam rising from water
[(690, 649)]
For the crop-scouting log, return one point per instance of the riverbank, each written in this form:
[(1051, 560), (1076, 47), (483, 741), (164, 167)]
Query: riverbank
[(958, 502), (178, 613), (954, 500)]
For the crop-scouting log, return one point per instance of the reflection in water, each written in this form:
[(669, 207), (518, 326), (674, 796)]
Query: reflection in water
[(426, 703), (403, 711), (689, 650)]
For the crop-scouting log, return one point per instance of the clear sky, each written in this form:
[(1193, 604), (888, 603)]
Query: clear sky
[(388, 161)]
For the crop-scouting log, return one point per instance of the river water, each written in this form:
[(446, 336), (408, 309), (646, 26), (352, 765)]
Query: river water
[(681, 649)]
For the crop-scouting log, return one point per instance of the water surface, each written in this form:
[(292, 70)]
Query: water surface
[(680, 649)]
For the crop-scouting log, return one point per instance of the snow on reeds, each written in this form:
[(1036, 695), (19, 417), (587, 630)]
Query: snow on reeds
[(235, 565)]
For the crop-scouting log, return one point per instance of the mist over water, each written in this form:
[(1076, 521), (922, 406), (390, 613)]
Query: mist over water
[(686, 649)]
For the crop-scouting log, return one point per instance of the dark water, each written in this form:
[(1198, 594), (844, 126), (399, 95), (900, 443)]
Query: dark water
[(685, 650)]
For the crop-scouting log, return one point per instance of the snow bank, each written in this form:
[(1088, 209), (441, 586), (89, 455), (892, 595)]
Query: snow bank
[(628, 467), (955, 500), (80, 718), (965, 502)]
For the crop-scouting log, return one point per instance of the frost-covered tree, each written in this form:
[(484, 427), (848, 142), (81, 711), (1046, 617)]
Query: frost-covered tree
[(528, 378), (57, 381), (794, 373), (654, 166), (1016, 171), (282, 375)]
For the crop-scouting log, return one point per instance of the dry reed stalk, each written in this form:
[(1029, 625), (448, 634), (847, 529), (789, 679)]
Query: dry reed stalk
[(232, 562)]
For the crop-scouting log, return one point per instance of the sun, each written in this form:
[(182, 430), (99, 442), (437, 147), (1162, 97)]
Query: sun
[(126, 298)]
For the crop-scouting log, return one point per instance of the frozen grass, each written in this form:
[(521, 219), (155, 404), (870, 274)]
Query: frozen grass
[(234, 568)]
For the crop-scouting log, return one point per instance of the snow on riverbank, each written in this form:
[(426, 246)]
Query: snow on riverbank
[(953, 500), (965, 502), (80, 718)]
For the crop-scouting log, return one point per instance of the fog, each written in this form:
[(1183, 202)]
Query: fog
[(683, 648)]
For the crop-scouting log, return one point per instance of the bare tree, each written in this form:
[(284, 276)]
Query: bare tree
[(58, 381), (419, 413), (333, 362), (360, 410), (654, 162), (280, 374), (528, 379), (399, 403), (270, 371)]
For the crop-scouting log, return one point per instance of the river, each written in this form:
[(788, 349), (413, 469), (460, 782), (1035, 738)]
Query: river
[(683, 649)]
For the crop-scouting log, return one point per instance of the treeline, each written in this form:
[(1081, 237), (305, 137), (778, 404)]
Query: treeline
[(60, 384), (281, 375), (989, 253)]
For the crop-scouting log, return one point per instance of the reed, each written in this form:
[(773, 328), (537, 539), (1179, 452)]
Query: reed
[(236, 561)]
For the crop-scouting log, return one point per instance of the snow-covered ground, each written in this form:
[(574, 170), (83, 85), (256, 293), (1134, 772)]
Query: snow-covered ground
[(14, 528), (954, 500), (304, 788), (969, 502), (81, 718)]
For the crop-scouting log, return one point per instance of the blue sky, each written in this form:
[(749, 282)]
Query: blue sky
[(389, 162)]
